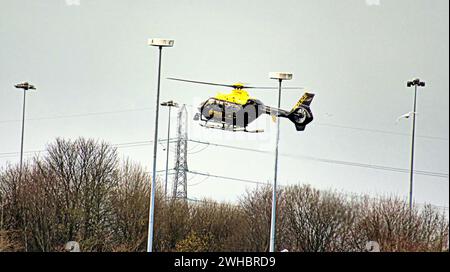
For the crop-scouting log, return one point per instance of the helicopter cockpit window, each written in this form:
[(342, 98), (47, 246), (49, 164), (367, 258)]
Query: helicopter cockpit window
[(210, 102)]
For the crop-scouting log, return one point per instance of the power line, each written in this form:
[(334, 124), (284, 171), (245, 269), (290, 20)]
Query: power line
[(371, 130), (207, 175), (16, 154), (339, 162), (76, 115), (198, 183), (192, 148), (194, 200), (119, 146), (227, 178), (198, 151), (191, 106), (158, 171), (380, 131), (141, 143)]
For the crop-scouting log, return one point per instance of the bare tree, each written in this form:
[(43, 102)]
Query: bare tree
[(395, 227), (78, 191), (316, 220), (217, 223), (256, 207), (130, 203)]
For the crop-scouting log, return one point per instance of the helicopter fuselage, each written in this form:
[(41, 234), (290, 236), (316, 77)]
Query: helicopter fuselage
[(236, 110), (235, 115)]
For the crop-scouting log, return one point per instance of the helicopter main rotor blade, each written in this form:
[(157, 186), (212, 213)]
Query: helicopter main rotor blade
[(237, 86), (201, 82), (273, 88)]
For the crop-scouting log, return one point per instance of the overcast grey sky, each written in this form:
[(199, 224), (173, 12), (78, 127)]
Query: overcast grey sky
[(93, 57)]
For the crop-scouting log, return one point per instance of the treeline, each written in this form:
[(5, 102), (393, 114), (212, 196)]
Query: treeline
[(80, 191)]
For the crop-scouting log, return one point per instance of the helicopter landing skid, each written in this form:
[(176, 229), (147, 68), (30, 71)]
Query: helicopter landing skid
[(232, 129)]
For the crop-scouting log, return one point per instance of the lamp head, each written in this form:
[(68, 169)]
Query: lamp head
[(281, 76), (25, 86), (161, 42), (170, 104), (415, 82)]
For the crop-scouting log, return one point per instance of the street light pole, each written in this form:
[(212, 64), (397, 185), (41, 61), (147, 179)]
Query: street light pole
[(160, 43), (414, 83), (25, 87), (169, 104), (280, 77), (23, 130)]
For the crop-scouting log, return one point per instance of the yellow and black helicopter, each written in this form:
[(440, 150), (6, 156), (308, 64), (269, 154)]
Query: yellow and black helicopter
[(236, 110)]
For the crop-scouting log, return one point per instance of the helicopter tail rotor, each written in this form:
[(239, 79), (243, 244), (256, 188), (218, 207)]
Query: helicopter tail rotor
[(305, 100), (301, 115)]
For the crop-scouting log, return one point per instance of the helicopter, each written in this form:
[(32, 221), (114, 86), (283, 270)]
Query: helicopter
[(236, 110)]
